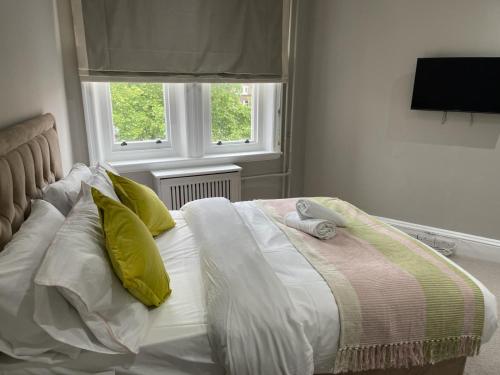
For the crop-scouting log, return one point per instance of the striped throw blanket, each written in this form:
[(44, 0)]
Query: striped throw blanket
[(400, 303)]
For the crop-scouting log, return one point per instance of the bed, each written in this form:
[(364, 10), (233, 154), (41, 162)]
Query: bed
[(178, 339)]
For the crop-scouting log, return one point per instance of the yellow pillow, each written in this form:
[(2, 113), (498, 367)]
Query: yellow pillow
[(144, 202), (133, 251)]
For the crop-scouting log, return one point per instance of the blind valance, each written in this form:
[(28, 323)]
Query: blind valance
[(182, 40)]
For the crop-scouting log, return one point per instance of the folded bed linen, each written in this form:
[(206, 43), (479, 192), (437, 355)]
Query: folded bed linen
[(309, 209), (322, 229), (400, 303), (253, 326)]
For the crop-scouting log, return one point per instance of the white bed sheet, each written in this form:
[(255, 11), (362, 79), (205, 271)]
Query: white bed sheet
[(177, 341), (178, 344)]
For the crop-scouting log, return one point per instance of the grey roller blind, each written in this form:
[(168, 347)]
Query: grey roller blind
[(182, 39)]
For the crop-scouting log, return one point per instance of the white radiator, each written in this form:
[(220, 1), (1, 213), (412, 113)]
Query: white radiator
[(176, 187)]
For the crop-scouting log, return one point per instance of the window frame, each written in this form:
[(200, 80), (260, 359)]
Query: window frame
[(137, 145), (187, 108), (255, 143), (99, 122)]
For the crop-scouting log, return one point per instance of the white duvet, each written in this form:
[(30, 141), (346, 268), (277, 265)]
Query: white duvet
[(253, 324), (178, 343)]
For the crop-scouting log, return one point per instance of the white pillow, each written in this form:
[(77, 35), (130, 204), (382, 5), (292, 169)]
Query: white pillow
[(102, 165), (77, 266), (101, 181), (20, 336), (63, 194)]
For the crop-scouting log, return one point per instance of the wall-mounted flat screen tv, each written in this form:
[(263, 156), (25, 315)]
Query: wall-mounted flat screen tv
[(461, 84)]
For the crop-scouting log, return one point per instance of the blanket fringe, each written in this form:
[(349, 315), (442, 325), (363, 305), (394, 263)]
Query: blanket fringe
[(404, 354)]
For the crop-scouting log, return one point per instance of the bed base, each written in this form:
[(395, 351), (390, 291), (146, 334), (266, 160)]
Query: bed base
[(450, 367)]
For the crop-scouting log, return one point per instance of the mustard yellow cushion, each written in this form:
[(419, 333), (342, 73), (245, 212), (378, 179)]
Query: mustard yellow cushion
[(144, 202), (132, 251)]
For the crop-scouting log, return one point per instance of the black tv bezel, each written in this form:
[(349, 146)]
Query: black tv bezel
[(413, 108)]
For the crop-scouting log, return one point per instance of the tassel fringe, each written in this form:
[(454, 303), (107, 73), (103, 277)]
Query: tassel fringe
[(404, 354)]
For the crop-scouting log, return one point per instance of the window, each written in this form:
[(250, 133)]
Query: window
[(138, 112), (231, 113), (139, 121)]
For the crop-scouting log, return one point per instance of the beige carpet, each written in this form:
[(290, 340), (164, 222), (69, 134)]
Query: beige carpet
[(488, 362)]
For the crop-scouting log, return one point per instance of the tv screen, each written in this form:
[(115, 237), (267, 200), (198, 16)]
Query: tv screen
[(463, 84)]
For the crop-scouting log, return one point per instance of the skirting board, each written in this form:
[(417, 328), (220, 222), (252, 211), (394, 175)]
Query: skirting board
[(468, 245)]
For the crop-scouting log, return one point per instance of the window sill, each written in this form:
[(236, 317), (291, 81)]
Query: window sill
[(176, 162)]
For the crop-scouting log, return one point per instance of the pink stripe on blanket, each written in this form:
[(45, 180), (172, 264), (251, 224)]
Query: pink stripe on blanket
[(404, 315), (467, 292), (344, 250)]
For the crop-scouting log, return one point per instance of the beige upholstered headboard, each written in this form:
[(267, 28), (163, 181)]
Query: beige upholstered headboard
[(29, 160)]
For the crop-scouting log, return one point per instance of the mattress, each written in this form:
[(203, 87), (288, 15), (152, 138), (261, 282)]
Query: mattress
[(177, 342)]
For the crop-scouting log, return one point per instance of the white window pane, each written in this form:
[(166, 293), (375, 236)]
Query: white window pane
[(138, 112), (231, 112)]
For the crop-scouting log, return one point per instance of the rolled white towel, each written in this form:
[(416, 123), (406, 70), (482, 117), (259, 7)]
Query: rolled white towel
[(309, 209), (322, 229)]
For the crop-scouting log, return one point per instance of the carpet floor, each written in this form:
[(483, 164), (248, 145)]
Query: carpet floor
[(488, 361)]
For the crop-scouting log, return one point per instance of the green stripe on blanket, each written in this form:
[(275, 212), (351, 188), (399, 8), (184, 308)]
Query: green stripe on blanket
[(400, 303)]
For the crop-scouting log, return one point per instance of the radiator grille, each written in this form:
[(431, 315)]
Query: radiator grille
[(177, 191), (181, 194)]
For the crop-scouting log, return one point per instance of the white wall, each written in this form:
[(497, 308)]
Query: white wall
[(364, 144), (31, 73)]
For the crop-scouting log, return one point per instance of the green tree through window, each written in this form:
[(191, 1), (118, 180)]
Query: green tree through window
[(231, 111), (138, 111)]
